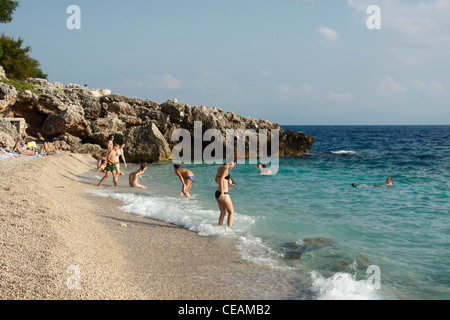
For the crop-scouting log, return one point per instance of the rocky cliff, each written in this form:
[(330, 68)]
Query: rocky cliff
[(77, 119)]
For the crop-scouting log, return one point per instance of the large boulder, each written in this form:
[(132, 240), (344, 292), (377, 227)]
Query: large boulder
[(70, 121), (93, 149), (103, 127), (8, 133), (294, 144), (8, 96), (146, 144), (66, 142)]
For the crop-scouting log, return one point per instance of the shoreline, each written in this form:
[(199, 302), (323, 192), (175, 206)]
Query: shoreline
[(51, 224)]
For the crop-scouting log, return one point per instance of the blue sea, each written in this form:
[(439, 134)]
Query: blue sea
[(308, 223)]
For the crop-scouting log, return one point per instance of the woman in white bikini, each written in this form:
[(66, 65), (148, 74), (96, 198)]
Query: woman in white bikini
[(120, 154)]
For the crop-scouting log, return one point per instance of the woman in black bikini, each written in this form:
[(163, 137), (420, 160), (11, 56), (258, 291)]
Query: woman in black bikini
[(222, 194)]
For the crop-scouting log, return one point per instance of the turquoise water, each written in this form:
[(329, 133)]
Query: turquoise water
[(310, 220)]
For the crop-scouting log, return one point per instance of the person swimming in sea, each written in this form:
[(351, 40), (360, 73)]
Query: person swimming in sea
[(187, 178), (389, 183), (135, 176), (222, 194), (265, 171)]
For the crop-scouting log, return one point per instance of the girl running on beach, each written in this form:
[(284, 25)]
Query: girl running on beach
[(222, 194)]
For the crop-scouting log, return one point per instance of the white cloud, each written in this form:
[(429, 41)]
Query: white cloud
[(166, 81), (290, 93), (433, 86), (157, 81), (329, 34), (390, 83), (414, 32), (264, 73), (341, 97)]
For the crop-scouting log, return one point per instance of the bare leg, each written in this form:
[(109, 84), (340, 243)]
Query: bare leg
[(118, 169), (188, 187), (223, 212), (229, 208), (115, 176), (104, 178), (45, 149)]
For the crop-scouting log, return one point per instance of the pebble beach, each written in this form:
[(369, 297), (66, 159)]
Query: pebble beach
[(59, 242)]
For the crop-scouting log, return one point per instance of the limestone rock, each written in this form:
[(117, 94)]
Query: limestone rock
[(74, 115), (294, 144), (8, 96), (8, 133), (93, 149), (146, 144), (103, 127), (66, 142), (70, 121), (2, 72)]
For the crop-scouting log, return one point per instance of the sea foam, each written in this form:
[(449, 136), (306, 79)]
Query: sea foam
[(344, 152), (342, 286), (190, 215)]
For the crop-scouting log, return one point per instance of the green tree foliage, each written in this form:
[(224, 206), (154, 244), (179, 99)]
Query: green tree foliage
[(7, 8), (16, 61), (40, 74)]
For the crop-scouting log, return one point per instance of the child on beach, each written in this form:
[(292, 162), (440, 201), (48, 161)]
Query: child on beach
[(101, 163), (187, 179), (110, 166), (135, 176)]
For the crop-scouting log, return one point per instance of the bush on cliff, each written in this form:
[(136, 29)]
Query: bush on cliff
[(16, 60)]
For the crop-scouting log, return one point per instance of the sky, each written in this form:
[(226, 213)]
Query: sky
[(292, 62)]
